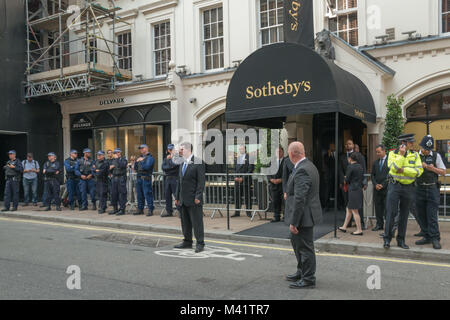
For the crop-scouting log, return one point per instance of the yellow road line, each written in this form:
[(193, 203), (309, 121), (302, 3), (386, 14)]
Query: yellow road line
[(239, 244)]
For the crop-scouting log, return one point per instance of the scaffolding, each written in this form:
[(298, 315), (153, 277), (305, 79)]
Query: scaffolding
[(71, 48)]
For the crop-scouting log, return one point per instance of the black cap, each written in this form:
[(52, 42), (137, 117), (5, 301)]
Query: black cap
[(409, 137), (427, 142)]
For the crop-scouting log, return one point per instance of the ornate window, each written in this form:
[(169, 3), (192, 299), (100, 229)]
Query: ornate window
[(433, 107)]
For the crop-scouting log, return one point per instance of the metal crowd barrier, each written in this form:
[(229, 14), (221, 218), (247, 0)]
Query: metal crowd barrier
[(443, 213), (251, 195)]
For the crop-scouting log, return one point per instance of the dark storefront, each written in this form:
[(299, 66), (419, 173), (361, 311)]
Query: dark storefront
[(126, 128), (35, 125)]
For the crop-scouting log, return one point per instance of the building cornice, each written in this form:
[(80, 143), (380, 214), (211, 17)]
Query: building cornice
[(157, 5)]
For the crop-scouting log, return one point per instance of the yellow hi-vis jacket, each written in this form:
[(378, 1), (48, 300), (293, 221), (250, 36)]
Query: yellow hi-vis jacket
[(411, 164)]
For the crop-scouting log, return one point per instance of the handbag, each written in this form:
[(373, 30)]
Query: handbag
[(345, 188)]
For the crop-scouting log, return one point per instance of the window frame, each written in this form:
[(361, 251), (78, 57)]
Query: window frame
[(441, 13), (278, 26), (129, 45), (203, 40), (337, 14), (154, 50)]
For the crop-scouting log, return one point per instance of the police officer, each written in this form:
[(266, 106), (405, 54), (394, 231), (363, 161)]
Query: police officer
[(51, 183), (100, 171), (118, 168), (72, 180), (13, 170), (171, 170), (87, 182), (405, 166), (427, 193), (144, 170)]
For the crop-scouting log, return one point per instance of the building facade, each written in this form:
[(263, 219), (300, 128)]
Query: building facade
[(183, 54)]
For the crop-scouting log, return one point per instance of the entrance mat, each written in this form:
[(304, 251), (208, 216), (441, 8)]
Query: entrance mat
[(281, 230)]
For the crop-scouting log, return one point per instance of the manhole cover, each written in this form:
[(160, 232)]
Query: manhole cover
[(133, 240)]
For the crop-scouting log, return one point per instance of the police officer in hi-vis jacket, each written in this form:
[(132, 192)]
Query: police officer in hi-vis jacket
[(405, 166)]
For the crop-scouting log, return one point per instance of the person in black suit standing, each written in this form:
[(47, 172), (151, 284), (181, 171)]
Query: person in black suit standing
[(189, 198), (243, 184), (303, 212), (276, 186), (343, 163), (329, 173), (380, 174)]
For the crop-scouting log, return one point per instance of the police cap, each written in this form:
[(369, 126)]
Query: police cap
[(73, 151), (87, 150), (171, 146), (427, 142), (143, 146), (12, 152), (409, 137), (101, 153), (51, 154), (117, 150)]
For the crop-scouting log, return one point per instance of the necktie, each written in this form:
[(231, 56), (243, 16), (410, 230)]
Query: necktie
[(183, 171), (381, 164)]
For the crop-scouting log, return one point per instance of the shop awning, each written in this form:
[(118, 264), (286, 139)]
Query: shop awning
[(289, 79)]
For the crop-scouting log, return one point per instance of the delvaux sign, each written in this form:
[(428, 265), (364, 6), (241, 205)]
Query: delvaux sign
[(299, 22), (81, 123), (112, 101)]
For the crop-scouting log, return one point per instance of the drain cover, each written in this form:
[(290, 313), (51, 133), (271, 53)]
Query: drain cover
[(133, 240)]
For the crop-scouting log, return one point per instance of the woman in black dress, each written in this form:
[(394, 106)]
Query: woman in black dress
[(354, 180)]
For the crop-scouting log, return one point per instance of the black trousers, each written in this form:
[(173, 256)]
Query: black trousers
[(53, 190), (398, 196), (427, 205), (243, 189), (192, 218), (303, 245), (11, 193), (277, 201), (379, 199), (102, 193)]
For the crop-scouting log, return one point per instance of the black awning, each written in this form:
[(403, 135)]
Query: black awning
[(288, 79)]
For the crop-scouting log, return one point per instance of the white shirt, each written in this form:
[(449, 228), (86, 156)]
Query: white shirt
[(241, 159), (299, 162), (439, 163)]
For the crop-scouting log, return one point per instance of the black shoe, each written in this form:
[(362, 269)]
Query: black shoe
[(301, 284), (423, 241), (420, 234), (249, 214), (294, 277), (14, 209), (402, 244), (115, 210), (48, 208), (381, 235), (72, 207), (101, 211), (5, 209), (183, 245), (199, 248), (377, 228), (387, 244), (121, 212), (275, 220), (58, 208), (235, 215), (436, 245), (167, 214), (150, 213), (139, 212), (83, 209)]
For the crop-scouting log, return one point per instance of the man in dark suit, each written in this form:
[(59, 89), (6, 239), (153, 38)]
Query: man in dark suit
[(329, 173), (189, 198), (343, 163), (303, 211), (380, 174), (276, 186), (243, 183)]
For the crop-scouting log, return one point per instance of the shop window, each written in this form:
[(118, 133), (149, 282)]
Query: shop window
[(445, 14), (153, 138), (343, 20), (213, 38), (433, 107), (131, 116), (443, 147), (271, 17), (130, 138), (162, 50), (105, 139)]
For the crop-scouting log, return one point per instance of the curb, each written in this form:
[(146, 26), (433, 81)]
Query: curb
[(372, 249), (321, 245)]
